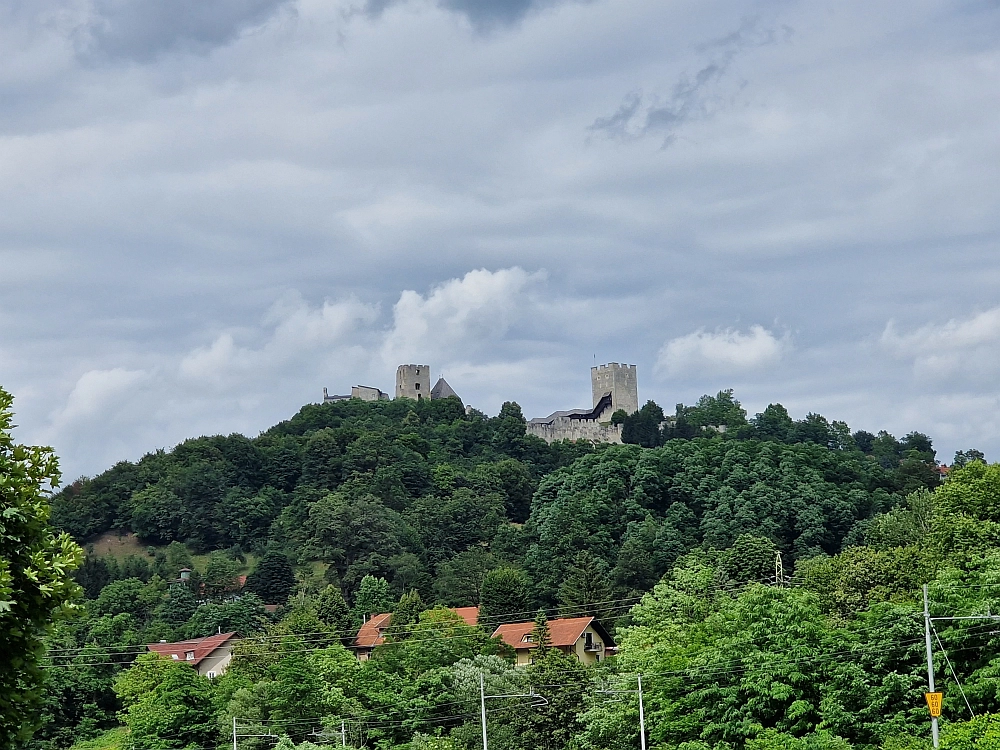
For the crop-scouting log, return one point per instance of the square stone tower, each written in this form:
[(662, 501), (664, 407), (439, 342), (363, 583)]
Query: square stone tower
[(413, 381), (620, 382)]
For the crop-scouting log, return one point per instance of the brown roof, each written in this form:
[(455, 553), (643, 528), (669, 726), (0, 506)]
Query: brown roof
[(469, 614), (200, 647), (563, 632), (370, 634)]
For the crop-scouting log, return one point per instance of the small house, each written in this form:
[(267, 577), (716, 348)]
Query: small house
[(210, 656), (583, 637), (372, 632)]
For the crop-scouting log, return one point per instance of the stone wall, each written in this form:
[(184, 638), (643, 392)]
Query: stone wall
[(368, 393), (575, 429)]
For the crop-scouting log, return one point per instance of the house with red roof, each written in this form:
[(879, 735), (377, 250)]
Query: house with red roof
[(583, 637), (372, 632), (371, 635), (210, 656)]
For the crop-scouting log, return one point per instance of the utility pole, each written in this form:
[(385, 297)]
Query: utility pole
[(483, 696), (930, 665), (642, 717), (642, 710), (482, 708), (934, 697)]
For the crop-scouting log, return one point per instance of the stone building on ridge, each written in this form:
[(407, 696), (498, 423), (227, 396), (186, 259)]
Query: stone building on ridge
[(614, 386), (412, 381)]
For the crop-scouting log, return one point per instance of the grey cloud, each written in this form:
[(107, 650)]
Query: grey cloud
[(482, 14), (692, 96), (153, 216), (141, 30)]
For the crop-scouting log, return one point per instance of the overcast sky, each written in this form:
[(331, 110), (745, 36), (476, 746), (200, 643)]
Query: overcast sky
[(212, 210)]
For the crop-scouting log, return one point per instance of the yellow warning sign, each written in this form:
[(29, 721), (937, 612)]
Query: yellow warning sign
[(934, 703)]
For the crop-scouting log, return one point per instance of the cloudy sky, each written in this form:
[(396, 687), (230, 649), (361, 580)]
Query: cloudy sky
[(211, 210)]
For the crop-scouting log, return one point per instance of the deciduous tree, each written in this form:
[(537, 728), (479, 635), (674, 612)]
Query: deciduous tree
[(36, 566)]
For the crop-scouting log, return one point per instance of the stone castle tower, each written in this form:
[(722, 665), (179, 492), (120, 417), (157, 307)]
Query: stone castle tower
[(620, 382), (413, 381)]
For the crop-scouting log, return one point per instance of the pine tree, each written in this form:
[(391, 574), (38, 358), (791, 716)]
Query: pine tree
[(273, 579), (405, 615), (332, 610), (541, 636), (504, 596), (585, 586)]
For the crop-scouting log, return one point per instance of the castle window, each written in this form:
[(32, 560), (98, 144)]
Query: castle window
[(416, 386)]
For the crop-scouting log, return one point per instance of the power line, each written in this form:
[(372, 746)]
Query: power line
[(608, 606)]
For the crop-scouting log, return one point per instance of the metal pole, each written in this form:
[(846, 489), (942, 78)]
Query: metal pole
[(234, 733), (642, 718), (930, 663), (482, 707), (343, 735)]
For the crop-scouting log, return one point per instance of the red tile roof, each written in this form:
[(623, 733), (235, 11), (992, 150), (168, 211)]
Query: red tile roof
[(370, 634), (200, 647), (562, 632), (469, 614)]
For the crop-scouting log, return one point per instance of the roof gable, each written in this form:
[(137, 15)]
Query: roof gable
[(563, 632), (198, 647), (370, 634)]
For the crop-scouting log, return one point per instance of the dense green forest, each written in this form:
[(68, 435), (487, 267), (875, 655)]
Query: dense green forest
[(671, 540)]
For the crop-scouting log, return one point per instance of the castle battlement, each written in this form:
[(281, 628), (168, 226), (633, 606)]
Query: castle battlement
[(620, 381), (614, 387)]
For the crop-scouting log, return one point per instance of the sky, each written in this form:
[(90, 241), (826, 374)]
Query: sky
[(211, 211)]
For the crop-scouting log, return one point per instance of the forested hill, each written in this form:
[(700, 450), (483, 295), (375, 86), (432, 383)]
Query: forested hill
[(430, 497), (670, 541)]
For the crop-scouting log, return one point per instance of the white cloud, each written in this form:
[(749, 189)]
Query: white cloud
[(95, 391), (957, 351), (292, 331), (722, 351), (461, 318)]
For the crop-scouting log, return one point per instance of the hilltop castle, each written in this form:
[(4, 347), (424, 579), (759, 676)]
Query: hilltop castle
[(412, 381), (613, 387)]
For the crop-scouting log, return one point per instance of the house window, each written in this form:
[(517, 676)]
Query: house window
[(526, 638), (211, 675), (189, 655), (175, 657), (589, 644)]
